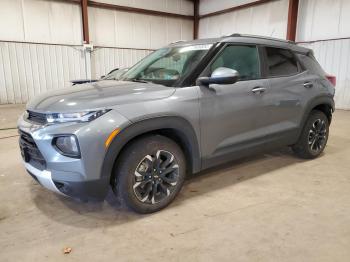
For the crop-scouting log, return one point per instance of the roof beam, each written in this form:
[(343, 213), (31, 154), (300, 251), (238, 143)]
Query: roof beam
[(235, 8), (137, 10)]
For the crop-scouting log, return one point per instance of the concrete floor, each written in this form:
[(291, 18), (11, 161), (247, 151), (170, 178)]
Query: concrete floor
[(272, 207)]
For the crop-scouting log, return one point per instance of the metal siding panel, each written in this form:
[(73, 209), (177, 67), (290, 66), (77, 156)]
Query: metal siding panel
[(210, 6), (8, 73), (269, 19), (35, 69), (40, 21), (27, 70), (334, 57), (121, 58), (15, 74), (320, 19), (3, 86), (22, 78), (11, 26), (172, 6), (112, 28)]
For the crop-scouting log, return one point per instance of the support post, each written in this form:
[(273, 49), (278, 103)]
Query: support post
[(84, 13), (195, 18), (292, 19)]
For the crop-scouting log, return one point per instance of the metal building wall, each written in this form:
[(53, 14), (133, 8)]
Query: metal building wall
[(209, 6), (106, 59), (324, 27), (119, 34), (27, 69), (39, 47), (268, 19), (41, 41)]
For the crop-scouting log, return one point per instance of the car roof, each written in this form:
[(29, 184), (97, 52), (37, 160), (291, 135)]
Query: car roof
[(246, 39)]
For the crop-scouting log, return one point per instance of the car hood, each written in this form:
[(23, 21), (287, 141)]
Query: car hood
[(101, 94)]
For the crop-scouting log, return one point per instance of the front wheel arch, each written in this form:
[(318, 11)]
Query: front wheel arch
[(175, 128)]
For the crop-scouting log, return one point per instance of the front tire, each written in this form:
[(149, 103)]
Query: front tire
[(314, 136), (149, 174)]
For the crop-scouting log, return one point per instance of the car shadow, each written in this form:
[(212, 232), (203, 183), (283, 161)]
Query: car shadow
[(110, 212)]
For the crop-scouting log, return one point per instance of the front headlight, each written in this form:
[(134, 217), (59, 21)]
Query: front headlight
[(86, 116)]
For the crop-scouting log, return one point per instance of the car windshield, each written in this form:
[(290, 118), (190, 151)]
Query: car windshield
[(168, 65), (115, 74)]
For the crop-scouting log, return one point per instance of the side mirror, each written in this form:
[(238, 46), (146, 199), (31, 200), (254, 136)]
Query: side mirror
[(221, 75)]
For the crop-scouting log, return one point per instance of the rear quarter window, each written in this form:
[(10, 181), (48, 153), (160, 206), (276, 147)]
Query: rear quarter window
[(281, 62), (310, 63)]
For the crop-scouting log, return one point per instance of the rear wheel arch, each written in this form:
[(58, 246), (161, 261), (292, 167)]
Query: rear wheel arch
[(323, 103), (176, 128), (326, 109)]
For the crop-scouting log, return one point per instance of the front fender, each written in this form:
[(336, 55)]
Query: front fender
[(179, 124)]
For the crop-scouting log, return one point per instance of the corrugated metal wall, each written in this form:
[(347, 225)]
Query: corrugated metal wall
[(322, 20), (40, 21), (209, 6), (137, 33), (27, 68), (106, 59), (266, 19), (334, 56)]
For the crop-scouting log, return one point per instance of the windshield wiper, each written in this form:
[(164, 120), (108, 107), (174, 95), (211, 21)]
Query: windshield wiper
[(140, 80)]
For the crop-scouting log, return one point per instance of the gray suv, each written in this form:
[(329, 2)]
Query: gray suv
[(184, 108)]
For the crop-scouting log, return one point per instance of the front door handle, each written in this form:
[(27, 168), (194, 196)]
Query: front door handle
[(258, 90), (308, 84)]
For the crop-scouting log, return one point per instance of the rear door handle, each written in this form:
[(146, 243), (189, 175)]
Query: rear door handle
[(308, 84), (258, 90)]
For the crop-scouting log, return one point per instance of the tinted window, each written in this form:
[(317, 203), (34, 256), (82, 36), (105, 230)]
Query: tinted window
[(281, 62), (310, 63), (243, 59)]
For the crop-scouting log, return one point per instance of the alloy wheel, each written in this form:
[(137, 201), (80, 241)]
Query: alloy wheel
[(156, 177), (317, 136)]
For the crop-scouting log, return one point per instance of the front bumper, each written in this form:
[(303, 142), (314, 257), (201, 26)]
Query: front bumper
[(80, 178), (84, 190), (43, 177)]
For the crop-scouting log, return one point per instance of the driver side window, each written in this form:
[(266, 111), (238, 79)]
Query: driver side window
[(243, 59)]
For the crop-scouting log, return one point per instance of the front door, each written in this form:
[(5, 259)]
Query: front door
[(232, 114)]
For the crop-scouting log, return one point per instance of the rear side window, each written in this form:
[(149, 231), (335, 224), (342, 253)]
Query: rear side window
[(243, 59), (281, 62), (310, 63)]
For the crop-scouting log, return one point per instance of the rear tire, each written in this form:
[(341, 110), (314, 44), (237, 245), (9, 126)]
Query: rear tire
[(314, 136), (149, 174)]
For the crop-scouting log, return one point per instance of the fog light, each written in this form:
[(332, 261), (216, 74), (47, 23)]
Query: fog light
[(67, 145)]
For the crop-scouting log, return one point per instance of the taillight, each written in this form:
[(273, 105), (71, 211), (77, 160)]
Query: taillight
[(332, 79)]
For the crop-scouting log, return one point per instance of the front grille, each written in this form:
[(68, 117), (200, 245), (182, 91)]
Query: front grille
[(30, 152), (39, 118)]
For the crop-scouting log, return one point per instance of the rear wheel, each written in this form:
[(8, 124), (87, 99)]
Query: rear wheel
[(314, 136), (150, 173)]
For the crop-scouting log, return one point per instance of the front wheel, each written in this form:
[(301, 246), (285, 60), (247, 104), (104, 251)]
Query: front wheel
[(150, 173), (314, 136)]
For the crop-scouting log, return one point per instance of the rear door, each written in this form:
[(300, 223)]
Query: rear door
[(288, 91)]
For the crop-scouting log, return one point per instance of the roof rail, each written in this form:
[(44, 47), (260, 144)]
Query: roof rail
[(262, 37)]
